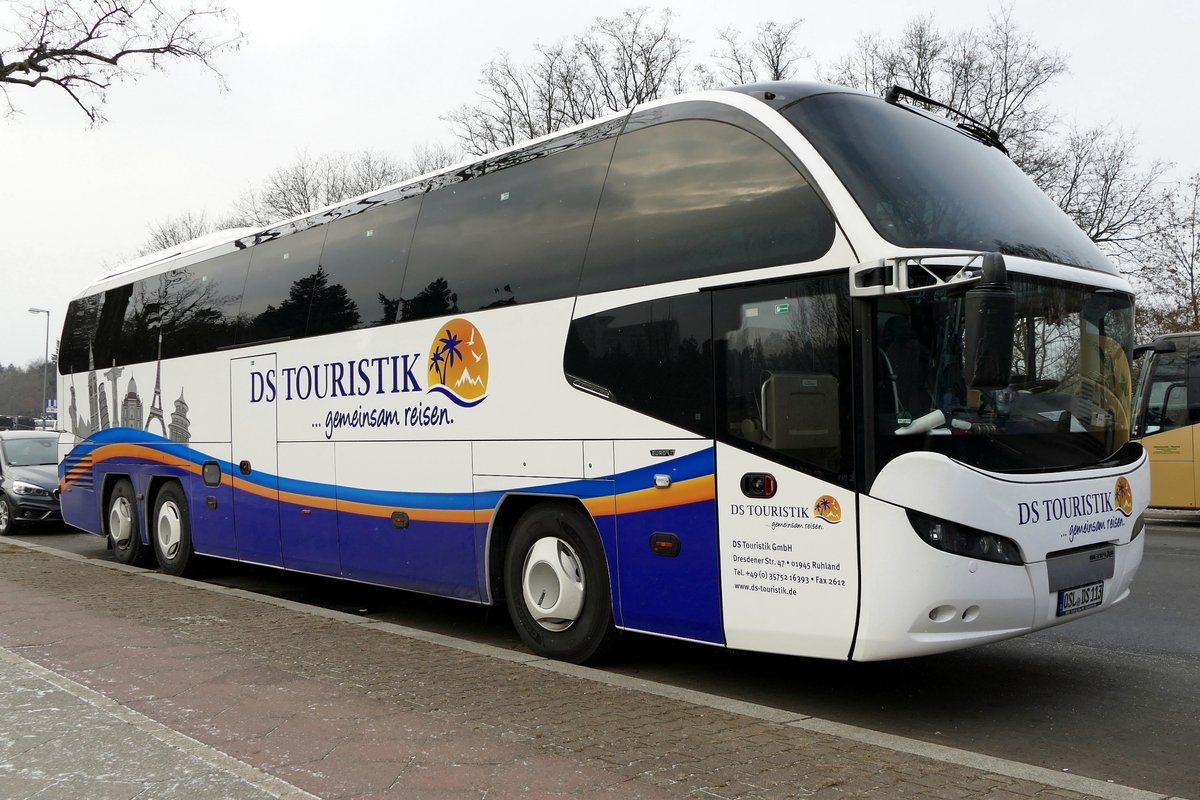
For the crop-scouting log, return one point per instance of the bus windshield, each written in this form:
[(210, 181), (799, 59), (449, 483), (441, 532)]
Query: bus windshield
[(924, 184), (1068, 403)]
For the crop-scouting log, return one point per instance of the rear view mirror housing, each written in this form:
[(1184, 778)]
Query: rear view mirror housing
[(990, 318)]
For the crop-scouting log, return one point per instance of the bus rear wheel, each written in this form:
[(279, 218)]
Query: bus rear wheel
[(556, 584), (173, 531), (124, 534)]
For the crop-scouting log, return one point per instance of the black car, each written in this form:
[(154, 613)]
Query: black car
[(28, 478)]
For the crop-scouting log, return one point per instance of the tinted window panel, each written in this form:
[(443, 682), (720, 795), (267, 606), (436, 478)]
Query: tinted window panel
[(364, 260), (200, 304), (654, 357), (783, 354), (139, 332), (279, 287), (696, 197), (106, 344), (517, 235), (79, 328)]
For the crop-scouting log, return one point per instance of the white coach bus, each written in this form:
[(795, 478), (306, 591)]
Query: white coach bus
[(785, 367)]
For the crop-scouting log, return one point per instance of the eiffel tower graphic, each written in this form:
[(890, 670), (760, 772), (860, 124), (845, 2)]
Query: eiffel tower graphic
[(156, 409)]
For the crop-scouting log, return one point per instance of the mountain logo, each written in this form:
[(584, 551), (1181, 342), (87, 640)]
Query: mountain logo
[(1123, 496), (458, 363), (828, 508)]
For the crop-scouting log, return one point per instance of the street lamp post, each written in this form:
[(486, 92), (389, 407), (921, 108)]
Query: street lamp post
[(45, 362)]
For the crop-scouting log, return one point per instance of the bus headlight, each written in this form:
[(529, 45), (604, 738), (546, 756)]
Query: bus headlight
[(963, 541)]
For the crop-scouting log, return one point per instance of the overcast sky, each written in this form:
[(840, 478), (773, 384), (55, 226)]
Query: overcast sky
[(378, 74)]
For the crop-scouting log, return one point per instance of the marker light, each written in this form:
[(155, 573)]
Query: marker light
[(963, 541)]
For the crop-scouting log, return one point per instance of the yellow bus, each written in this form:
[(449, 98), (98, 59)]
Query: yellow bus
[(1168, 408)]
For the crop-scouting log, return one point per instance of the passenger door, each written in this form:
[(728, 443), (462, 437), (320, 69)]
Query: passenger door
[(252, 382), (784, 460)]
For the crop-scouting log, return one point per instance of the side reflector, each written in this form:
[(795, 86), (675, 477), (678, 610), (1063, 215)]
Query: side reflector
[(664, 544)]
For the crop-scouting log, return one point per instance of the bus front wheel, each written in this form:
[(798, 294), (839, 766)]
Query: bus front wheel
[(124, 535), (173, 531), (556, 584)]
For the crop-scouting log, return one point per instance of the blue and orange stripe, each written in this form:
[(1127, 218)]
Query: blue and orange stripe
[(634, 490)]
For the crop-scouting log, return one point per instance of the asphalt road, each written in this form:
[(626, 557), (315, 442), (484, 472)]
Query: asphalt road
[(1114, 696)]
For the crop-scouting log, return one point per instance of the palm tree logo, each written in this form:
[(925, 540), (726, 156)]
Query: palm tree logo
[(441, 360), (1123, 496), (828, 508), (458, 359)]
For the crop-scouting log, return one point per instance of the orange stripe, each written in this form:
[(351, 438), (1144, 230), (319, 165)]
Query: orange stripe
[(694, 490)]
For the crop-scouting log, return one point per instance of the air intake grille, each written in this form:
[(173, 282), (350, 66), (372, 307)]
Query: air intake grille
[(77, 470)]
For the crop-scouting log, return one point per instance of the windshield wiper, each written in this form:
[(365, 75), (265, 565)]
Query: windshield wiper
[(972, 127)]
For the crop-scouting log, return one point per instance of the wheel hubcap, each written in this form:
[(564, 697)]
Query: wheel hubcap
[(552, 584), (3, 516), (120, 522), (167, 528)]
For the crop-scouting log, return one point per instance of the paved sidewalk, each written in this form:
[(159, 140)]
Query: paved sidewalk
[(122, 683), (62, 740)]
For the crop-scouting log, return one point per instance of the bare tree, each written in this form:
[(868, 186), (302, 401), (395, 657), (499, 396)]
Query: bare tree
[(305, 185), (632, 58), (517, 102), (614, 64), (309, 183), (1169, 300), (770, 56), (428, 158), (1095, 177), (997, 76), (84, 46), (176, 230)]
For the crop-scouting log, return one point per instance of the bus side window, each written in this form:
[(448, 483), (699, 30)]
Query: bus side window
[(284, 275), (697, 197), (515, 234), (364, 258), (1166, 401), (654, 357), (79, 329), (200, 304)]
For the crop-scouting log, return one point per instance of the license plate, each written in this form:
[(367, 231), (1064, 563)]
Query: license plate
[(1080, 598)]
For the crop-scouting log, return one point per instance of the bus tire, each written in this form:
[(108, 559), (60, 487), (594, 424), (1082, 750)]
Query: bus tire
[(556, 584), (172, 531), (121, 524)]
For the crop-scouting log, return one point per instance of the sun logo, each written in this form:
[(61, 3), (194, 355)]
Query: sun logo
[(1123, 496), (458, 363), (828, 508)]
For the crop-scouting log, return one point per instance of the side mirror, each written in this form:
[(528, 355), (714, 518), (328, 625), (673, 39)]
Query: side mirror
[(991, 315), (1157, 346)]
